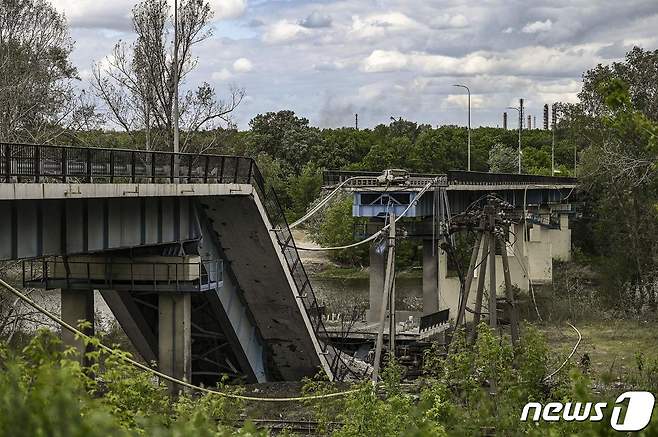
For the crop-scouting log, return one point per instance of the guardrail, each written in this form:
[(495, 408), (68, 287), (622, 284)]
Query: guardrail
[(461, 177), (46, 163), (187, 276)]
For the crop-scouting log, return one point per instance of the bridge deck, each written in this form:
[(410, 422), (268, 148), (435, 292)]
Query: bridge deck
[(266, 293)]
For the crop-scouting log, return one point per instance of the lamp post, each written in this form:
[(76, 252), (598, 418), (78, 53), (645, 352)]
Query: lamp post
[(469, 122), (520, 124)]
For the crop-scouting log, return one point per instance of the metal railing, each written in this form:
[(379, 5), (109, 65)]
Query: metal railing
[(46, 163), (461, 177), (190, 276), (284, 237)]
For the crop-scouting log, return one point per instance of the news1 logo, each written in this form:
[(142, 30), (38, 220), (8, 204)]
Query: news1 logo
[(638, 412)]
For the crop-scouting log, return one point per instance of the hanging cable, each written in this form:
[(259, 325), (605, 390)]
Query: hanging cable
[(378, 233), (324, 201)]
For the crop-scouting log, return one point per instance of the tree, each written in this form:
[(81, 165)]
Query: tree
[(285, 137), (136, 83), (38, 102), (503, 159), (639, 71)]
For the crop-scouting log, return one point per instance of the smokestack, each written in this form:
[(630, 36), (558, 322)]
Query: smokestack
[(356, 121), (546, 116), (529, 122), (505, 120)]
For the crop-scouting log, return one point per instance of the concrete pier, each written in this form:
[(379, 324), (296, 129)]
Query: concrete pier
[(175, 337), (377, 271), (430, 276), (77, 306)]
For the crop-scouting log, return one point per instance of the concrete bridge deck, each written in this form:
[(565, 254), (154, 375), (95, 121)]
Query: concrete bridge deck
[(75, 205)]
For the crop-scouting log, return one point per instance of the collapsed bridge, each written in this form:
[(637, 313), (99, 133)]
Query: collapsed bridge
[(192, 253)]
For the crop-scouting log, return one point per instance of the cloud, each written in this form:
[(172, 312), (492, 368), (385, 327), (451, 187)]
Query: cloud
[(222, 75), (284, 31), (316, 20), (224, 9), (508, 30), (377, 25), (115, 15), (242, 65), (538, 26), (461, 101), (531, 60), (385, 61), (446, 21)]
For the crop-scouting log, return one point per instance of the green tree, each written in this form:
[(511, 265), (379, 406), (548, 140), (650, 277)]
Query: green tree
[(503, 159)]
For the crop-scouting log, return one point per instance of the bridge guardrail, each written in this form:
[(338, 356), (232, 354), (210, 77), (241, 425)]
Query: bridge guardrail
[(47, 163), (462, 177)]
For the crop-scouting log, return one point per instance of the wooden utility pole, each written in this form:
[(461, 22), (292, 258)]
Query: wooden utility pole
[(509, 294), (461, 316), (388, 285), (480, 290)]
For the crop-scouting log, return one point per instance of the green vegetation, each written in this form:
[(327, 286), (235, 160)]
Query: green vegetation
[(49, 394)]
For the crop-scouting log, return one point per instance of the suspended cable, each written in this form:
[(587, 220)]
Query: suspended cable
[(378, 233), (324, 201)]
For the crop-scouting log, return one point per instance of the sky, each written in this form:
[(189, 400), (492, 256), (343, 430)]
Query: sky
[(330, 59)]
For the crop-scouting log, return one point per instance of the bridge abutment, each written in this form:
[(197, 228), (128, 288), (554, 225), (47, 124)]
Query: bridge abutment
[(175, 337), (77, 306)]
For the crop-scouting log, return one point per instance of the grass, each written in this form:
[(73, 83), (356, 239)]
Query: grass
[(611, 346)]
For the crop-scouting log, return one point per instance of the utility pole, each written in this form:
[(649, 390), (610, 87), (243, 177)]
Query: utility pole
[(520, 111), (175, 113), (388, 285), (469, 122)]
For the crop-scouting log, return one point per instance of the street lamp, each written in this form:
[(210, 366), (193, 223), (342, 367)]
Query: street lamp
[(469, 122), (520, 124)]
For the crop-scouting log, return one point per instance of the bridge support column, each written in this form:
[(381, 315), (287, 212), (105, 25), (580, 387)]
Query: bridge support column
[(175, 337), (377, 272), (77, 306), (430, 276)]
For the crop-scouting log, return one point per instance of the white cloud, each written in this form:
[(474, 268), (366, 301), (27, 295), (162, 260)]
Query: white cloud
[(461, 101), (284, 31), (97, 14), (538, 26), (508, 30), (242, 65), (377, 25), (222, 75), (384, 60), (228, 8), (531, 60)]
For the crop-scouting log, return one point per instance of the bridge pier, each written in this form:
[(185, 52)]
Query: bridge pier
[(175, 337), (77, 306), (431, 280), (377, 271)]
